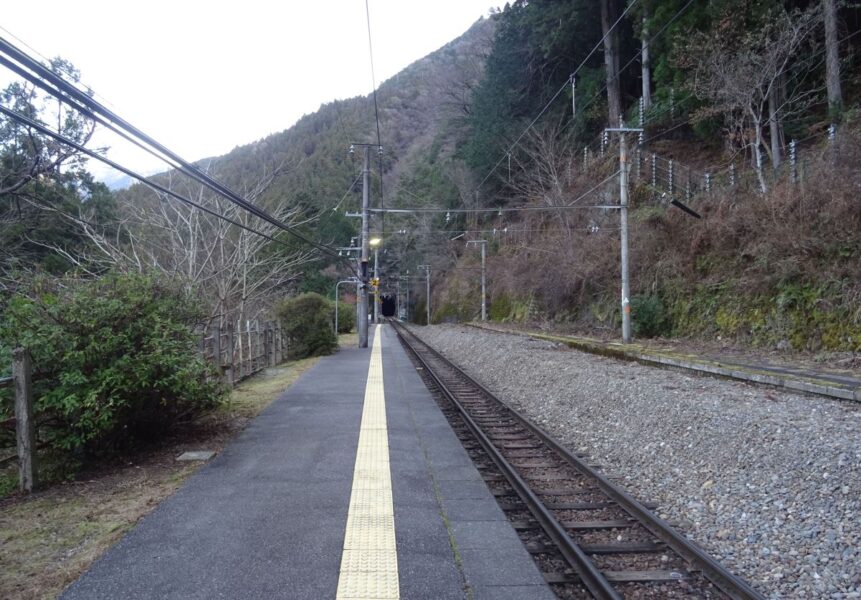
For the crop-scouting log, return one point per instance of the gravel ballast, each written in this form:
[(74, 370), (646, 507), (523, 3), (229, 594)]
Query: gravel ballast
[(768, 482)]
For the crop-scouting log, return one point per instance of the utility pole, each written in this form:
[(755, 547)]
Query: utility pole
[(427, 296), (362, 324), (483, 244), (376, 285), (363, 275), (408, 298), (623, 214)]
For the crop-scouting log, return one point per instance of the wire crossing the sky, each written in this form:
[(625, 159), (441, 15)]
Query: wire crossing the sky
[(40, 75), (157, 187)]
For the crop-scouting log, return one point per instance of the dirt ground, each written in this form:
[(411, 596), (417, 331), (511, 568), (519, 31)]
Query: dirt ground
[(48, 538)]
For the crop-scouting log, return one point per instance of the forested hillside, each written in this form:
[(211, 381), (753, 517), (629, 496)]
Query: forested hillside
[(749, 114), (748, 110)]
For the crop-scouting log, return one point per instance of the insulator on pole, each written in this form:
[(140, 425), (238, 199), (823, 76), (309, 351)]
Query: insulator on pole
[(671, 178)]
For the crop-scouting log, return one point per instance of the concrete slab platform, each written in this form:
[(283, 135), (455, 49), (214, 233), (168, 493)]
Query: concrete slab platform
[(195, 455), (266, 517)]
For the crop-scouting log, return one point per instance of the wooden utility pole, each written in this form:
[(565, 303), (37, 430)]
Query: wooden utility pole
[(25, 427)]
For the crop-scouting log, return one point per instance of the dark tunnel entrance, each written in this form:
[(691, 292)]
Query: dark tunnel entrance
[(389, 306)]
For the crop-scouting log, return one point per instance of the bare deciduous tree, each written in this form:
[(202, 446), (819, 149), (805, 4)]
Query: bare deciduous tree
[(609, 16), (236, 271), (741, 78), (832, 55)]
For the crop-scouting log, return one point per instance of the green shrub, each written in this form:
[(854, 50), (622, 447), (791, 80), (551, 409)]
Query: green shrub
[(649, 317), (307, 323), (346, 317), (500, 308), (116, 360)]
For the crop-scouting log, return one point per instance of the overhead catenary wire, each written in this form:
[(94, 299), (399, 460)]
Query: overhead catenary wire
[(493, 210), (570, 205), (57, 86), (376, 107)]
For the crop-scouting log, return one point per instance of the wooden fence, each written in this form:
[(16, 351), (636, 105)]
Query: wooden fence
[(25, 428), (238, 353)]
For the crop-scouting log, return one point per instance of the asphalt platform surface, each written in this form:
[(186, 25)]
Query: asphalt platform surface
[(266, 518)]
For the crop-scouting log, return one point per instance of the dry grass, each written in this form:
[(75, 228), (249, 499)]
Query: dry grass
[(48, 539), (747, 244)]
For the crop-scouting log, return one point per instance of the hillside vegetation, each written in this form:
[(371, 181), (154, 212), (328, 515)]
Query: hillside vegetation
[(774, 260), (487, 122)]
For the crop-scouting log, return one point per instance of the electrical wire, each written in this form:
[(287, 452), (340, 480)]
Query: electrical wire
[(155, 186), (41, 76), (376, 111), (509, 209), (491, 210), (347, 193)]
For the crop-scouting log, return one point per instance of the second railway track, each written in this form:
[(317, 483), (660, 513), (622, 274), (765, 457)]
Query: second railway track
[(589, 537)]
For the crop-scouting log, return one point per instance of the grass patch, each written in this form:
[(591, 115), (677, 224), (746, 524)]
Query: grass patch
[(49, 538), (348, 340)]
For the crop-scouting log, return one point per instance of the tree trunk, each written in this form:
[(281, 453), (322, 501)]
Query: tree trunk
[(646, 62), (832, 56), (774, 125), (609, 14), (757, 152)]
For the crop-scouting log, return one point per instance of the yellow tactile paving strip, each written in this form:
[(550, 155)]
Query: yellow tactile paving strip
[(369, 564)]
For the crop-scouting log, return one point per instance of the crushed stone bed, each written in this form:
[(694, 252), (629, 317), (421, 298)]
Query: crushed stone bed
[(768, 482)]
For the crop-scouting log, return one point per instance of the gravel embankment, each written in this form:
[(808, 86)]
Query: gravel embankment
[(768, 482)]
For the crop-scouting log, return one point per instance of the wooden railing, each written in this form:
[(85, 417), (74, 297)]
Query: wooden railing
[(239, 352), (25, 429)]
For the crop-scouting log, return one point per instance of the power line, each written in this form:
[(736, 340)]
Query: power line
[(159, 188), (507, 230), (71, 95), (376, 108), (492, 210), (347, 193), (501, 210)]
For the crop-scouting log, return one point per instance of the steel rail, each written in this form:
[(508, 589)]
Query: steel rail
[(730, 584), (589, 574)]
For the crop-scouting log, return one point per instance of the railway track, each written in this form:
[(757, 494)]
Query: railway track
[(589, 537)]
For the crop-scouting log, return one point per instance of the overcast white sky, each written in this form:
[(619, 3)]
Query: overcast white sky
[(204, 77)]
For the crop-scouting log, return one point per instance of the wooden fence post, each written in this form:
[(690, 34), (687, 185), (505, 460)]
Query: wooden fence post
[(267, 348), (279, 356), (231, 373), (237, 364), (24, 426), (216, 351), (273, 349)]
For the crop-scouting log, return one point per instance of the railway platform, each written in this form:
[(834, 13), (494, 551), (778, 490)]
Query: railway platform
[(350, 485)]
